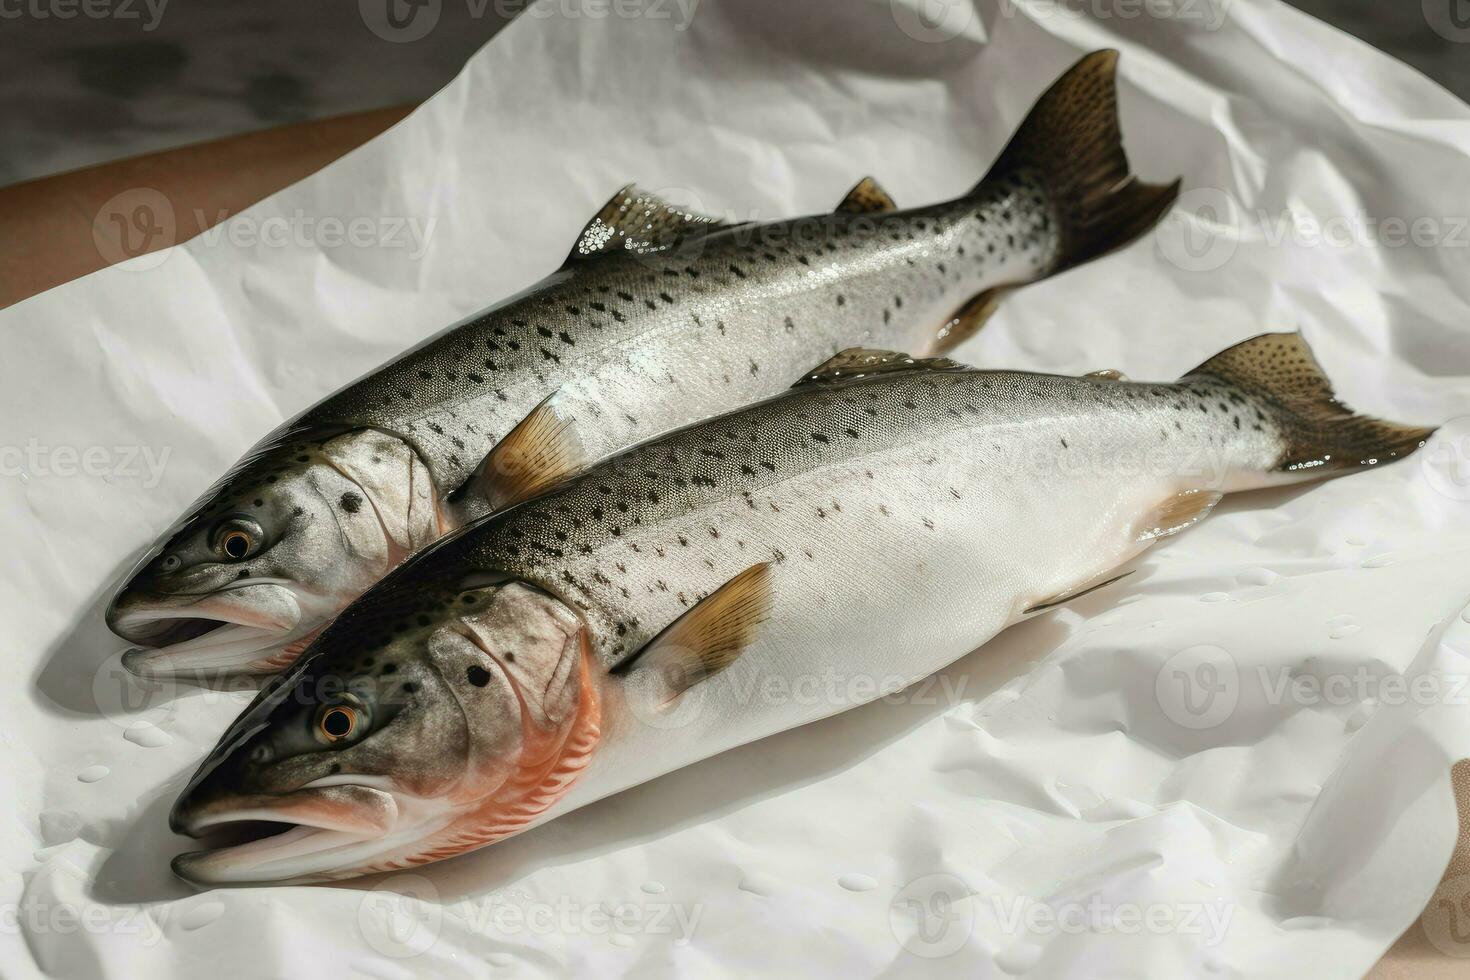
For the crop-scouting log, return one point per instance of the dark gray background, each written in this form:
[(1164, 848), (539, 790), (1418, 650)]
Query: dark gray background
[(87, 89)]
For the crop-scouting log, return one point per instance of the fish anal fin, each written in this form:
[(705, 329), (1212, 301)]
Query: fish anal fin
[(968, 319), (639, 222), (867, 198), (862, 362), (540, 452), (1064, 597), (711, 636), (1174, 514)]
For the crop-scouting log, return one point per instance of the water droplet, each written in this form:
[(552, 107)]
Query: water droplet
[(500, 959), (858, 882), (1360, 716), (200, 914), (1215, 597), (1465, 614), (1356, 541), (618, 939), (653, 887), (1259, 576), (146, 734), (1343, 629), (759, 884), (1378, 561), (93, 773), (1018, 958)]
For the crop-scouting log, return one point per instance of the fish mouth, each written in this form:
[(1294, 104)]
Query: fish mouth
[(248, 628), (317, 833)]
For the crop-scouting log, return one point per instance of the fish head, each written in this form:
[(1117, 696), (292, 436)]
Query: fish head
[(414, 728), (288, 538)]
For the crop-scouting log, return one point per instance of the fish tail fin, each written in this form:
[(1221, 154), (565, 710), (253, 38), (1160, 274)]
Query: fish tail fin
[(1072, 143), (1278, 386)]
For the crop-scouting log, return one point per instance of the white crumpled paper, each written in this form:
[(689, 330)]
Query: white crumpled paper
[(1206, 770)]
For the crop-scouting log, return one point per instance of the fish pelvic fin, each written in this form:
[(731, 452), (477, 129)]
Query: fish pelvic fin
[(709, 637), (1073, 144), (1320, 436)]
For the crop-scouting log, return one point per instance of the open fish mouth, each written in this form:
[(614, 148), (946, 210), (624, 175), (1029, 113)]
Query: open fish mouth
[(250, 628), (311, 835)]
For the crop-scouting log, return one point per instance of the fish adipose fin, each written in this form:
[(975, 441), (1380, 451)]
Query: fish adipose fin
[(1183, 510), (867, 198), (1073, 145), (540, 452), (1281, 380), (864, 362), (637, 222), (709, 637)]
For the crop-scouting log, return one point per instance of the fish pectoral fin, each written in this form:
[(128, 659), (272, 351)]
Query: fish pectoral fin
[(1184, 509), (1077, 593), (863, 362), (1107, 374), (968, 319), (540, 452), (638, 222), (867, 198), (709, 637)]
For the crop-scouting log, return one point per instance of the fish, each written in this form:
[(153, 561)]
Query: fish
[(659, 317), (881, 519)]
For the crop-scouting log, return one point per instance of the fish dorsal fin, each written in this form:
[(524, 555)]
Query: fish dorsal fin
[(711, 636), (1106, 374), (1185, 509), (540, 452), (639, 222), (867, 198), (863, 362)]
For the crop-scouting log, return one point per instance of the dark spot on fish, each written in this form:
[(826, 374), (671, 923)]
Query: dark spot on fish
[(351, 502), (478, 675)]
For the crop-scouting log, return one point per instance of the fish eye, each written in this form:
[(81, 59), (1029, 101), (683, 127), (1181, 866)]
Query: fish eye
[(238, 538), (336, 722)]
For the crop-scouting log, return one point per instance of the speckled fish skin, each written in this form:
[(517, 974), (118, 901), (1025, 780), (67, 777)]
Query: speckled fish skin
[(627, 344), (898, 520)]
